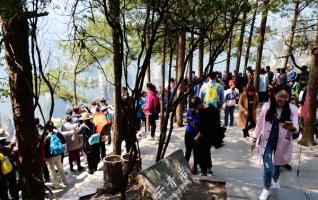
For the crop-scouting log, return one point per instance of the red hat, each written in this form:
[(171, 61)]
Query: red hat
[(231, 82)]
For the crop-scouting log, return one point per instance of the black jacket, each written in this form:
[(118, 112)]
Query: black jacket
[(87, 130), (209, 126)]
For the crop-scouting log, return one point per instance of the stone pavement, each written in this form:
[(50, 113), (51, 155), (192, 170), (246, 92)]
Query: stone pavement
[(233, 163)]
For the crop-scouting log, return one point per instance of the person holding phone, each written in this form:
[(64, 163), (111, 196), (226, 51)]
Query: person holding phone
[(277, 123)]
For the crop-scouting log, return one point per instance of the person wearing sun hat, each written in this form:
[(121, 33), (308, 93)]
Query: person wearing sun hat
[(92, 151), (7, 181)]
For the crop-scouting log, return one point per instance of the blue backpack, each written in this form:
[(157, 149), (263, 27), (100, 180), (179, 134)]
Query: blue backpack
[(56, 146)]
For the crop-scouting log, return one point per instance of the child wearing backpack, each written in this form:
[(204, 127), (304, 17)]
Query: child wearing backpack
[(190, 133), (54, 148)]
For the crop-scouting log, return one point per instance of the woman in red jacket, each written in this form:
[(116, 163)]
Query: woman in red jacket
[(150, 107)]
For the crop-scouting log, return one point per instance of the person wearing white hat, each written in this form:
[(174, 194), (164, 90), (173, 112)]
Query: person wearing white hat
[(10, 178)]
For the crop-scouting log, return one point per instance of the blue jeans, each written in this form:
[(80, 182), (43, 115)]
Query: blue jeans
[(270, 170), (229, 110)]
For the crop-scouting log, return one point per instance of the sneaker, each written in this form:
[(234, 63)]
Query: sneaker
[(275, 185), (264, 195), (210, 172)]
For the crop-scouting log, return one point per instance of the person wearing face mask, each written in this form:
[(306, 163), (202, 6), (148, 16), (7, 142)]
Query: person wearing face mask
[(275, 129), (214, 94), (248, 103)]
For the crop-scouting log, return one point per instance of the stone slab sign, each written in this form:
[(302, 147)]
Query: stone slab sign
[(169, 178)]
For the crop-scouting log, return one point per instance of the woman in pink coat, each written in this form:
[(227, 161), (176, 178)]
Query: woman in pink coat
[(277, 123), (150, 107)]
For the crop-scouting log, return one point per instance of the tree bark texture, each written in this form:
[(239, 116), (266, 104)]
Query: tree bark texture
[(249, 43), (310, 107), (177, 61), (240, 45), (114, 10), (15, 36), (181, 65), (200, 59), (228, 60), (261, 44), (292, 34), (191, 67), (113, 173), (163, 69)]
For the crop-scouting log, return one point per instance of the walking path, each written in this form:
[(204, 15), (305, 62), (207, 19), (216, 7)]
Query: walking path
[(233, 163)]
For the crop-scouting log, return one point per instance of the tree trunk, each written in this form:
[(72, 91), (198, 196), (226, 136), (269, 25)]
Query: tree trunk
[(200, 59), (181, 55), (163, 68), (249, 42), (191, 68), (177, 61), (260, 44), (148, 73), (292, 33), (16, 43), (228, 60), (170, 68), (113, 173), (310, 107), (114, 11), (240, 45)]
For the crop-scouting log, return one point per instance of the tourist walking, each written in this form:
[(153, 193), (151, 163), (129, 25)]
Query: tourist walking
[(54, 148), (8, 180), (90, 146), (208, 127), (101, 123), (248, 103), (190, 133), (263, 86), (150, 108), (214, 92), (231, 95), (74, 142), (276, 126), (140, 115), (270, 74)]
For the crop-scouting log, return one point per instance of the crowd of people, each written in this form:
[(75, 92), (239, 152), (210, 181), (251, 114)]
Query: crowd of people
[(281, 96), (88, 129)]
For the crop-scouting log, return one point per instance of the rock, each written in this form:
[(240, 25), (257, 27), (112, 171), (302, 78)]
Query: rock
[(167, 179)]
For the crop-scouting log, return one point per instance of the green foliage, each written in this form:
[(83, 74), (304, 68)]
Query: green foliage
[(4, 89), (9, 8)]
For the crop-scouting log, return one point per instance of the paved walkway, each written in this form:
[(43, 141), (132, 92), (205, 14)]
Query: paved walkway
[(233, 163)]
